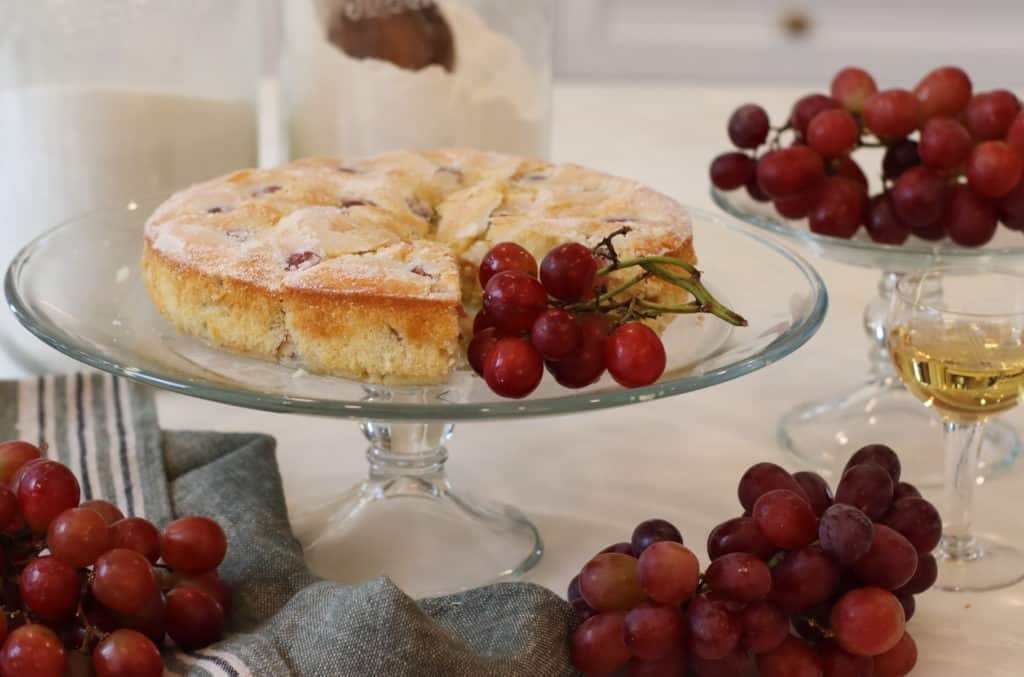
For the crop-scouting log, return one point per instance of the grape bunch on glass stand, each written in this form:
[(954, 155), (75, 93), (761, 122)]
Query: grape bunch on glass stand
[(84, 586), (803, 584), (949, 170)]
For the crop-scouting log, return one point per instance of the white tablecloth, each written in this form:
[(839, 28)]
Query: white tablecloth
[(678, 458)]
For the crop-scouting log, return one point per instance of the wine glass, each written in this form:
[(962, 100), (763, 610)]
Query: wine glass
[(956, 337)]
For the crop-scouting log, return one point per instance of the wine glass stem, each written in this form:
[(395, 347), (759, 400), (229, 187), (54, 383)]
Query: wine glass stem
[(963, 442)]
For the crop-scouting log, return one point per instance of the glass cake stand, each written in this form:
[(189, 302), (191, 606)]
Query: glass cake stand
[(824, 433), (79, 289)]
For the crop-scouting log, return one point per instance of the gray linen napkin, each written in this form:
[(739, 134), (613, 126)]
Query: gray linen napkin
[(285, 620)]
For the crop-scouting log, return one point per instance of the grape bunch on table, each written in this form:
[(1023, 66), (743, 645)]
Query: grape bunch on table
[(952, 165), (803, 584)]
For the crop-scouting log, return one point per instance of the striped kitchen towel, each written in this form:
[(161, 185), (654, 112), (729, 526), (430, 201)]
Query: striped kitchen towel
[(285, 621)]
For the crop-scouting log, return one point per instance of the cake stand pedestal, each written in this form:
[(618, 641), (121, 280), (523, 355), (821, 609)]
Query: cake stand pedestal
[(406, 520)]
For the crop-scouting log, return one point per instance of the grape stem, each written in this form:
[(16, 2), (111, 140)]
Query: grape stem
[(654, 266)]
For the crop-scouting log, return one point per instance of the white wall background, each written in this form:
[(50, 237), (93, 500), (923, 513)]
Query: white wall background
[(745, 40)]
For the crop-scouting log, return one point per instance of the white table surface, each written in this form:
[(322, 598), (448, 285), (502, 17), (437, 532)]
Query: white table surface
[(679, 458)]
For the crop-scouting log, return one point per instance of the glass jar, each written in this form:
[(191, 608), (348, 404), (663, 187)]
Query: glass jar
[(107, 100), (367, 76)]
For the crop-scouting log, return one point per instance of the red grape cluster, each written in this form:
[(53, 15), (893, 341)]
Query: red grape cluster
[(803, 584), (562, 315), (81, 579), (953, 162)]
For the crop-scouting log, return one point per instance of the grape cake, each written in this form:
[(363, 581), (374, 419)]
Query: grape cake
[(365, 269)]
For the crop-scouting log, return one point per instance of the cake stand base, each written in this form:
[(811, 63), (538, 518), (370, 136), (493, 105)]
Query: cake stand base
[(406, 522), (823, 435)]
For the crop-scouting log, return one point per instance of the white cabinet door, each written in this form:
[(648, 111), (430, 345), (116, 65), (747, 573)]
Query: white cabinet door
[(754, 40)]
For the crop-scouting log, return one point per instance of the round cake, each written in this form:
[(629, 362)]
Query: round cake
[(368, 269)]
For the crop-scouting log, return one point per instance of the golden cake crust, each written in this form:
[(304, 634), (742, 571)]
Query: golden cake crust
[(363, 268)]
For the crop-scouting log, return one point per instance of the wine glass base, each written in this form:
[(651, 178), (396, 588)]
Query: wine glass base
[(989, 564), (823, 435), (427, 538)]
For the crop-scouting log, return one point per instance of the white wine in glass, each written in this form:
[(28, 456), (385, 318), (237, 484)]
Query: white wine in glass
[(956, 337)]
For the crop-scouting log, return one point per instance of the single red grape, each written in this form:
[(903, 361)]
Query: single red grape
[(852, 87), (969, 219), (819, 494), (127, 653), (892, 113), (832, 133), (585, 366), (806, 108), (877, 454), (944, 91), (764, 626), (793, 658), (804, 579), (761, 478), (867, 487), (883, 223), (748, 126), (78, 536), (611, 582), (33, 650), (924, 577), (846, 533), (897, 661), (513, 300), (194, 618), (635, 355), (652, 531), (138, 534), (891, 561), (212, 583), (740, 534), (668, 572), (787, 171), (730, 171), (110, 512), (124, 581), (905, 490), (786, 519), (839, 211), (50, 587), (653, 631), (993, 169), (918, 521), (945, 143), (476, 352), (1011, 207), (569, 271), (715, 629), (739, 576), (506, 256), (556, 333), (193, 544), (15, 454), (868, 621), (908, 604), (513, 368), (899, 157), (599, 645), (798, 205), (989, 114), (46, 490), (918, 196)]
